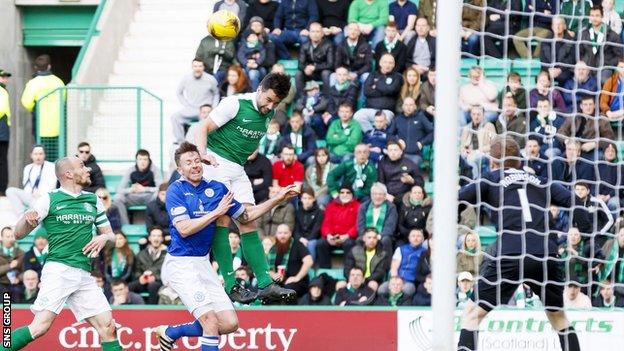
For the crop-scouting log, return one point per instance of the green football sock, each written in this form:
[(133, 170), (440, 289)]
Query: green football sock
[(223, 254), (254, 254), (20, 337), (111, 346)]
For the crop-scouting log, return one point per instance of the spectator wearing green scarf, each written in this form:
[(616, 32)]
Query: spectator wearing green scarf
[(358, 172), (379, 213), (289, 261), (36, 256)]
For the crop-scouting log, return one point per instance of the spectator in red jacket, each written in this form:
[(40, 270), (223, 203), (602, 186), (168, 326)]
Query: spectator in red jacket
[(339, 228), (288, 170)]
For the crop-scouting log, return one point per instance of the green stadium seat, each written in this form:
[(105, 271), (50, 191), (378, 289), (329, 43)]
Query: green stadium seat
[(466, 65), (336, 273), (112, 181), (429, 188), (620, 147), (321, 143), (527, 69), (487, 234), (137, 208), (290, 66), (134, 230), (311, 273)]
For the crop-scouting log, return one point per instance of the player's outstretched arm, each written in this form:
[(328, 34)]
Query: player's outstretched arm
[(26, 224), (254, 212), (188, 227)]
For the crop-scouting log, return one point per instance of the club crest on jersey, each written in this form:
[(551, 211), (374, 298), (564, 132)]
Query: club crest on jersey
[(199, 296), (178, 210), (88, 207), (209, 192)]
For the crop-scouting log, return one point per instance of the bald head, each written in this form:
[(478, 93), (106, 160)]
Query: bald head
[(71, 171), (63, 165)]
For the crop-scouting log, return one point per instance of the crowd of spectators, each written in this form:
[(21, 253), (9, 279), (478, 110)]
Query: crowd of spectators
[(356, 133)]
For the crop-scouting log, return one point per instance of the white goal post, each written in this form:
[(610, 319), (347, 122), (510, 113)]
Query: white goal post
[(448, 56)]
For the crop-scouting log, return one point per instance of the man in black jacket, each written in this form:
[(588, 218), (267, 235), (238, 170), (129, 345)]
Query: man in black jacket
[(557, 52), (333, 16), (355, 54), (398, 173), (258, 169), (308, 220), (97, 178), (290, 24), (342, 90), (264, 9), (599, 46), (156, 213), (392, 43), (414, 129), (421, 49), (316, 59), (381, 90)]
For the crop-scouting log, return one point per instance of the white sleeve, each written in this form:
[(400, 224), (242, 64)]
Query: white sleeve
[(42, 206), (101, 220), (397, 254), (225, 111)]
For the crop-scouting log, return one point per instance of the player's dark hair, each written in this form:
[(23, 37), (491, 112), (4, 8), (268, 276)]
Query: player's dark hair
[(587, 97), (543, 98), (278, 82), (205, 105), (42, 62), (182, 149), (83, 143), (163, 186), (507, 151), (198, 59)]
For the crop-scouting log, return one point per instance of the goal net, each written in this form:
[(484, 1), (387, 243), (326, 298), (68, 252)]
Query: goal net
[(550, 75)]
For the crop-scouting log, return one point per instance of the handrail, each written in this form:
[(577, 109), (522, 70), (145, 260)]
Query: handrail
[(90, 34), (139, 92)]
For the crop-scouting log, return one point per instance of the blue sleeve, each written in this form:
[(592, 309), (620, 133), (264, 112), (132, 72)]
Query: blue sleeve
[(176, 206)]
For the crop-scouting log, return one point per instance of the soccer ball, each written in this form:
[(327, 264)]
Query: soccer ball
[(223, 25)]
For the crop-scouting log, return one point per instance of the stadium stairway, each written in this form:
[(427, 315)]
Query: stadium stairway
[(157, 51)]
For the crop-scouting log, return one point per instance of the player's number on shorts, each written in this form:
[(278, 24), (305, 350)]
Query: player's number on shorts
[(524, 203)]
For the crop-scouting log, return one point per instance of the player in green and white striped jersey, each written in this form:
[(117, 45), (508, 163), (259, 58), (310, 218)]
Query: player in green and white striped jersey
[(68, 214), (226, 139)]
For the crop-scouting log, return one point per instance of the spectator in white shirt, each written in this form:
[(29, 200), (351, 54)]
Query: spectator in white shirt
[(481, 92), (573, 297), (38, 179)]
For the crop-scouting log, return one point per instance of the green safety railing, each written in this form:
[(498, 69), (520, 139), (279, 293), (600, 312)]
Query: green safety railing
[(103, 111), (90, 34)]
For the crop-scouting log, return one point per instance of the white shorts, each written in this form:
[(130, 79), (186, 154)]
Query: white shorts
[(62, 284), (197, 284), (233, 176)]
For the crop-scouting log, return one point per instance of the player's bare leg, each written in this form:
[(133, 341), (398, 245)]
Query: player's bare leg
[(104, 324), (472, 316), (40, 324)]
